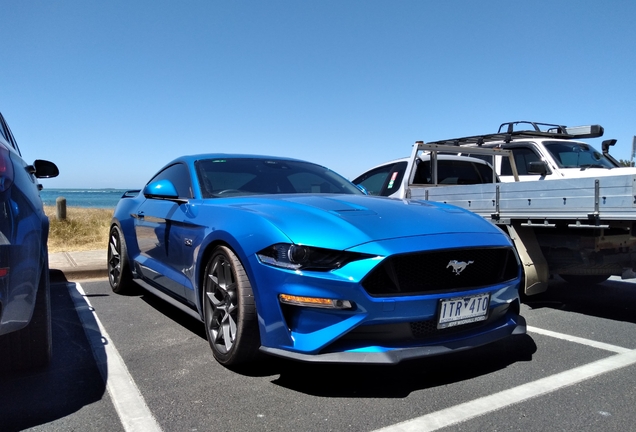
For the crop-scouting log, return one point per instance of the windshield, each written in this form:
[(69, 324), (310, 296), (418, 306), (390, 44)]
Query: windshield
[(249, 176), (577, 155)]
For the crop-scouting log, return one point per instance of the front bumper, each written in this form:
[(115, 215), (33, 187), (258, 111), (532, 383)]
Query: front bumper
[(377, 329), (387, 355)]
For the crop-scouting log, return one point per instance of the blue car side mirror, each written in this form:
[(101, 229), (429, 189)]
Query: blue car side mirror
[(363, 189), (161, 189)]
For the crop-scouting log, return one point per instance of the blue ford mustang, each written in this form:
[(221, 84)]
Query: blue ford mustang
[(285, 257)]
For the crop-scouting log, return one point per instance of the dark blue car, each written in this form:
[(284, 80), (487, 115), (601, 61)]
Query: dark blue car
[(25, 311), (285, 257)]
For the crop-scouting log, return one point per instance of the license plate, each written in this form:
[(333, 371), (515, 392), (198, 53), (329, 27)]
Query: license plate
[(463, 310)]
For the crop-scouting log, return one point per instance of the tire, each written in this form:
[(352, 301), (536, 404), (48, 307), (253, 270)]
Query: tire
[(31, 347), (119, 274), (584, 279), (229, 311)]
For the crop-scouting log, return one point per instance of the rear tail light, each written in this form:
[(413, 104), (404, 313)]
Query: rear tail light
[(6, 169)]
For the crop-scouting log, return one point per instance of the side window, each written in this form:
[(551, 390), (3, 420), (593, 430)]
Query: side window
[(5, 133), (179, 175), (485, 173), (523, 156), (423, 173), (394, 179), (384, 180), (453, 172), (374, 180), (457, 172)]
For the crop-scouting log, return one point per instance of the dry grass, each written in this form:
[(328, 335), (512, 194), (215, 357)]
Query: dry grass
[(83, 229)]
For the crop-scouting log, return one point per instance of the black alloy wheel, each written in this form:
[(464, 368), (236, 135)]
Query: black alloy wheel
[(119, 274), (229, 310)]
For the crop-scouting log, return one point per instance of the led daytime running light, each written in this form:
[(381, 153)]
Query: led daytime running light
[(315, 302)]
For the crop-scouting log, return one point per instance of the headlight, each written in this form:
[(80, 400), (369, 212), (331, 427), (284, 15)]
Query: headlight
[(298, 257)]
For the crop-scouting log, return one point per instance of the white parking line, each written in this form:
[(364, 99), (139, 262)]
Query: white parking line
[(588, 342), (130, 405), (466, 411), (478, 407)]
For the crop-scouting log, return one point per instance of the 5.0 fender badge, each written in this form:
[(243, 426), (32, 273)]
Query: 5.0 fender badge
[(458, 266)]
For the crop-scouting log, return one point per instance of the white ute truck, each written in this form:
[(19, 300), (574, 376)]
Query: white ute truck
[(569, 209)]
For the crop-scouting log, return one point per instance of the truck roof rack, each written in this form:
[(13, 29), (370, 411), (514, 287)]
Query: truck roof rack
[(509, 131)]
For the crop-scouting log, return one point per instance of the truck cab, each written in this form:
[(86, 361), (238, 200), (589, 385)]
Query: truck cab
[(582, 228), (543, 151), (386, 179)]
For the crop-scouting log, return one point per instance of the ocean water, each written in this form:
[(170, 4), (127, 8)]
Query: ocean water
[(97, 198)]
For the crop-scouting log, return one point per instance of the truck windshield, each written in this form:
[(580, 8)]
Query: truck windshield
[(577, 155)]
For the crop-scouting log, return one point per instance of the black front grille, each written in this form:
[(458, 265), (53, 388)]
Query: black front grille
[(406, 333), (441, 271)]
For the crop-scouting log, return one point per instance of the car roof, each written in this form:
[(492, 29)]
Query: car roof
[(201, 156), (441, 156)]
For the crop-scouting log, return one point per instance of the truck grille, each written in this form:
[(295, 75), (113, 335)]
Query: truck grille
[(441, 271)]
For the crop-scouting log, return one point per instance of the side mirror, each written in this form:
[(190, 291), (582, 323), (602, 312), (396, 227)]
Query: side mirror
[(43, 169), (537, 167), (161, 189), (363, 189)]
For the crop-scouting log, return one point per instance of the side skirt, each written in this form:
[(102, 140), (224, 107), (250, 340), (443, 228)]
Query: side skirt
[(193, 313)]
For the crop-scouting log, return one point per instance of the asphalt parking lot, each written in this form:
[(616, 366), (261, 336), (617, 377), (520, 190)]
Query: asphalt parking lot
[(573, 371)]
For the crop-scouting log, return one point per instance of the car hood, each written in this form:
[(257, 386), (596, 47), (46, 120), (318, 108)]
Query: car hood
[(344, 221)]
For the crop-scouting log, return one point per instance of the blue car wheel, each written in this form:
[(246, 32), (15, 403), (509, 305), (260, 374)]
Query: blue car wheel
[(229, 311), (119, 274)]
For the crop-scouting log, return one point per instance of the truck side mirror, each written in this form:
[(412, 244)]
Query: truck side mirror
[(537, 167)]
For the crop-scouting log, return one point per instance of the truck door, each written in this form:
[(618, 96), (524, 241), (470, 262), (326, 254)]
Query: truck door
[(523, 157)]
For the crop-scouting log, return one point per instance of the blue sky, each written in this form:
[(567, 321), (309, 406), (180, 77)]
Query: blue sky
[(112, 90)]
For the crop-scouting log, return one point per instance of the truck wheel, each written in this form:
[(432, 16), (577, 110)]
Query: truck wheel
[(31, 347), (584, 279)]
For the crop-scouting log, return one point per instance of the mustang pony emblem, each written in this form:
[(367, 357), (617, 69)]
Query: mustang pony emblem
[(458, 266)]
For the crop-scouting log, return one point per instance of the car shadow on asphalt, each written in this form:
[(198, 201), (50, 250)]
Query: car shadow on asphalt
[(398, 381), (360, 380), (613, 299), (175, 314), (70, 382)]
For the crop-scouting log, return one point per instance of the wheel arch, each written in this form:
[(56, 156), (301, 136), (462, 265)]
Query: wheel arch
[(131, 247), (243, 232), (206, 253)]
